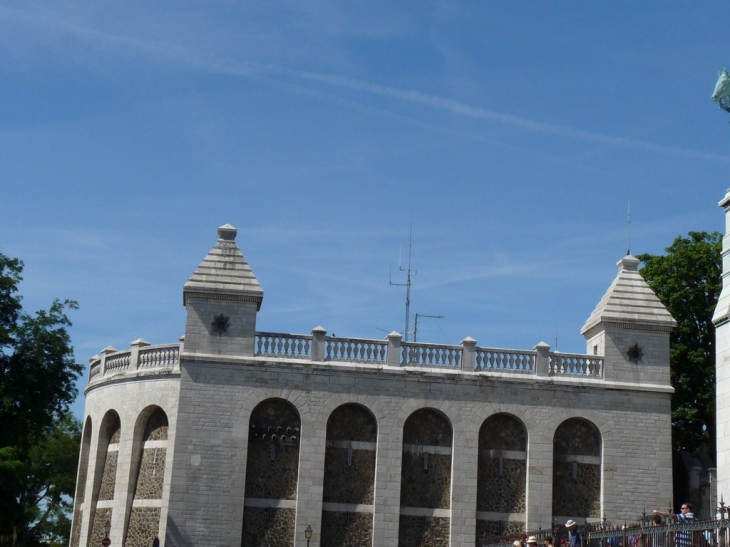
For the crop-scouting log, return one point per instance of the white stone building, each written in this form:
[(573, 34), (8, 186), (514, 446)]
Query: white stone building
[(237, 437), (721, 319)]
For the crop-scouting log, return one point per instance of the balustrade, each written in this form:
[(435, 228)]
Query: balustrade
[(499, 360), (159, 356), (118, 361), (321, 348), (430, 355), (568, 364), (271, 344), (355, 350)]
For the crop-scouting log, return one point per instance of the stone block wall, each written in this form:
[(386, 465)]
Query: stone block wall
[(126, 482), (212, 448)]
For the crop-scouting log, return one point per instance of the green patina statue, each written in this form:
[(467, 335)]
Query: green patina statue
[(722, 90)]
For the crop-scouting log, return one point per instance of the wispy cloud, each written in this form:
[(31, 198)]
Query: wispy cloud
[(180, 53)]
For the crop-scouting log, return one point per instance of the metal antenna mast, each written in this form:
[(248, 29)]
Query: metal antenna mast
[(415, 323), (407, 284), (628, 245)]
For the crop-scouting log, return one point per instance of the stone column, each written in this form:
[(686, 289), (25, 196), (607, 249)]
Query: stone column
[(106, 351), (468, 353), (542, 361), (134, 357), (318, 343), (394, 339)]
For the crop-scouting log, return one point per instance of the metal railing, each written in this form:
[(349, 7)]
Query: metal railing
[(705, 533)]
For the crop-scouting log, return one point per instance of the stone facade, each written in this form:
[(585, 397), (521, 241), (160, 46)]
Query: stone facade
[(235, 437), (721, 319)]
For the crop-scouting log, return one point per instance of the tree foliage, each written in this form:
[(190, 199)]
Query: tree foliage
[(39, 439), (687, 280)]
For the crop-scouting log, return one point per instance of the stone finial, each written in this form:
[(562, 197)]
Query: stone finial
[(227, 233), (629, 263)]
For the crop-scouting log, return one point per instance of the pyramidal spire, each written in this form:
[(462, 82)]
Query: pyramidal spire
[(630, 300), (224, 274)]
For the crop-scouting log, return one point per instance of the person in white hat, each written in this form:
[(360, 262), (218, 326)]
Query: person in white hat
[(575, 538), (532, 540)]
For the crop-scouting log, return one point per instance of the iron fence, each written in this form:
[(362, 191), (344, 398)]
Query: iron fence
[(707, 533)]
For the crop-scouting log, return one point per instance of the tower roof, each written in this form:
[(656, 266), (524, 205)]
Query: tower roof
[(224, 273), (629, 299)]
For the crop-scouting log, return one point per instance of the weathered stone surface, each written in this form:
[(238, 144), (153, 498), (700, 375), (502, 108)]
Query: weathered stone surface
[(267, 527), (101, 516), (144, 525), (346, 529), (423, 532)]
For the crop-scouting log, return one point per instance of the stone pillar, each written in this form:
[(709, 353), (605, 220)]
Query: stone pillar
[(394, 339), (134, 357), (468, 353), (318, 343), (542, 361), (106, 351)]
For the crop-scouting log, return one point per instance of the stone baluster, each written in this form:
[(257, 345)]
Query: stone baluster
[(468, 353), (393, 358), (318, 343), (106, 351), (542, 360), (134, 357)]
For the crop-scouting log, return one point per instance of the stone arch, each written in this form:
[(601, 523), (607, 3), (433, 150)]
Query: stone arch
[(148, 475), (105, 478), (425, 497), (446, 408), (577, 448), (272, 468), (349, 476), (81, 483), (502, 475), (355, 396), (247, 405)]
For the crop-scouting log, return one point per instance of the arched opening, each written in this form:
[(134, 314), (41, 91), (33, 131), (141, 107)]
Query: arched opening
[(425, 496), (502, 477), (349, 477), (144, 518), (81, 484), (106, 474), (577, 470), (271, 474)]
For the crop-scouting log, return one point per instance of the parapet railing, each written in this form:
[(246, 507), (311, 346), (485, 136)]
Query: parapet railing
[(394, 352), (141, 356)]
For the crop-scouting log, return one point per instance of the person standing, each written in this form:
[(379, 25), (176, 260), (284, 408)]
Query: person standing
[(683, 537), (575, 537)]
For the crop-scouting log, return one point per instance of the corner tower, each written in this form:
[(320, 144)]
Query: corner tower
[(630, 327), (721, 319), (222, 298)]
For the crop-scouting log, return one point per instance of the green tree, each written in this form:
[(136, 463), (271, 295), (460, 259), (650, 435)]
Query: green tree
[(687, 280), (39, 441)]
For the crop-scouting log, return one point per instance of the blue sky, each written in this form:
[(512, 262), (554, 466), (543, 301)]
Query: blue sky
[(510, 135)]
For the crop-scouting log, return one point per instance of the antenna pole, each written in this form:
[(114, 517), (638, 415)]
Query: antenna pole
[(628, 245), (415, 323), (407, 284)]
